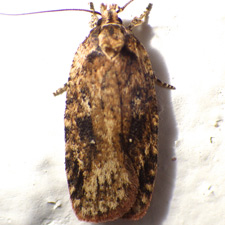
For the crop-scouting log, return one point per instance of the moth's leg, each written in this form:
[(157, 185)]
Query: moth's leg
[(61, 90), (138, 20), (94, 18), (162, 84)]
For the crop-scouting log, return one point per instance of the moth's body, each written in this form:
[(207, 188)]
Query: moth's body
[(111, 124)]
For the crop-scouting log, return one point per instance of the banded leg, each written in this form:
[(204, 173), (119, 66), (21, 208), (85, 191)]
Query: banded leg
[(61, 90), (138, 20), (162, 84)]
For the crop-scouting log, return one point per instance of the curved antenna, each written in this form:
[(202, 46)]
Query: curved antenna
[(122, 8), (55, 10)]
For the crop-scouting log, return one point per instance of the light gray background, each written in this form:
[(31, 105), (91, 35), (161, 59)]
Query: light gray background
[(185, 41)]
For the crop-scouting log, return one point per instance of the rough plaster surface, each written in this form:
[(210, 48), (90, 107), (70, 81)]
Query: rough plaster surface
[(186, 43)]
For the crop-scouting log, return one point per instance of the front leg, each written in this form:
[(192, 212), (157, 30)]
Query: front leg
[(61, 90)]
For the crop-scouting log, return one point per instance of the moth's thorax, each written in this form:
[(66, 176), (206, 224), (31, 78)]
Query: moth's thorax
[(111, 37), (111, 40)]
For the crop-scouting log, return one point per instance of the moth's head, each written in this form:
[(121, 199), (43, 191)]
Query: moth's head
[(109, 16)]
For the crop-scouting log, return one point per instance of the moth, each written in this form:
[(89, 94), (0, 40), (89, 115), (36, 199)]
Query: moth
[(111, 121)]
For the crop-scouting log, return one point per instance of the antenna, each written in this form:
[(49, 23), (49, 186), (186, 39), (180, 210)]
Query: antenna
[(55, 10)]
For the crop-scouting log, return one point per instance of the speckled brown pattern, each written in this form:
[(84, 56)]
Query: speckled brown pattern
[(111, 123)]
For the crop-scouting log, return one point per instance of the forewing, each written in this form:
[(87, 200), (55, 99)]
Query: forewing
[(141, 131), (102, 180)]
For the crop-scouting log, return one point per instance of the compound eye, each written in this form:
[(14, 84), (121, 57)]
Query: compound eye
[(99, 22), (120, 21)]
